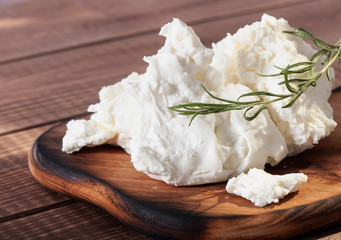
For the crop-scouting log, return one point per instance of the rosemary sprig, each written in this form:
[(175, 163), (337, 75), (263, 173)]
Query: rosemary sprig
[(295, 85)]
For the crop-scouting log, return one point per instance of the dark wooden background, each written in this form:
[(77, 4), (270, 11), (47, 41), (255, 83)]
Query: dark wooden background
[(54, 58)]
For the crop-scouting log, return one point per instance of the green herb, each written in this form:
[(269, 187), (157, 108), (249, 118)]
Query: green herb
[(326, 56)]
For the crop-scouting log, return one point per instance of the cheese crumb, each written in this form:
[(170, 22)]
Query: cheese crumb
[(262, 188)]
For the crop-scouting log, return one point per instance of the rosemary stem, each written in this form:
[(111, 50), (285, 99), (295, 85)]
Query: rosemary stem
[(332, 60)]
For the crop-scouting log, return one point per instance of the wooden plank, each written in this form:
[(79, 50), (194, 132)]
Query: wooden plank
[(84, 221), (75, 221), (34, 27), (62, 85), (326, 234), (19, 190)]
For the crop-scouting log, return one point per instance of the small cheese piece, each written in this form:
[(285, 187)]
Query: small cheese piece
[(262, 188), (82, 133)]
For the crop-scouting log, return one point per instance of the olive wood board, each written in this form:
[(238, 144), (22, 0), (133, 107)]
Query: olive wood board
[(104, 176)]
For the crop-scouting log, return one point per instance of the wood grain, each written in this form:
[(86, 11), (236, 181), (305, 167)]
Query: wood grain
[(34, 27), (62, 85), (19, 191), (105, 177), (74, 221), (28, 209)]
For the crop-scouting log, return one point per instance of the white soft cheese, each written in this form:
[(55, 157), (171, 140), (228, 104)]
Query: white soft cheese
[(262, 188), (257, 48), (134, 114)]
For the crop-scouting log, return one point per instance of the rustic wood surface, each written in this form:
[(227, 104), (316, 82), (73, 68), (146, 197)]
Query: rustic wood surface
[(56, 55), (105, 177)]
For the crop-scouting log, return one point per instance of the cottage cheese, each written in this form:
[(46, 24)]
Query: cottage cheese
[(259, 47), (262, 188), (134, 115)]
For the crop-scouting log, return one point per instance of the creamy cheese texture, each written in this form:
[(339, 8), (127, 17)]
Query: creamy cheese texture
[(262, 188), (257, 48), (134, 114)]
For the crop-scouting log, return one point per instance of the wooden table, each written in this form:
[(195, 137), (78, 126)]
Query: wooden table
[(54, 58)]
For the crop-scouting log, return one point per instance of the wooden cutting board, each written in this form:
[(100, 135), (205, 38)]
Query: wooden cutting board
[(105, 177)]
